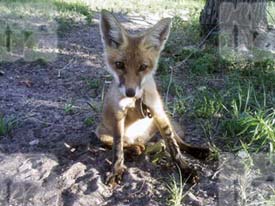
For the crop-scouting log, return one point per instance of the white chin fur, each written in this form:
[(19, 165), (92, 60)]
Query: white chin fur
[(127, 102)]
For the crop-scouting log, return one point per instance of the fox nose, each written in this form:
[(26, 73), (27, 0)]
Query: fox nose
[(130, 92)]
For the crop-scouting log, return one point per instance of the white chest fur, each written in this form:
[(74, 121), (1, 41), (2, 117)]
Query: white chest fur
[(140, 130)]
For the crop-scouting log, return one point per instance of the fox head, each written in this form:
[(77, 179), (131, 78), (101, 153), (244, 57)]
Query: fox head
[(132, 59)]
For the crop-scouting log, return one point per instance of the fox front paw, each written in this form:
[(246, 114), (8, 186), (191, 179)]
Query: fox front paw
[(115, 177), (134, 149)]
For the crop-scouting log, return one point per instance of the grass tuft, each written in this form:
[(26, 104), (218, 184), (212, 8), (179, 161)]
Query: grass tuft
[(175, 188), (89, 121), (69, 108), (207, 104), (6, 125)]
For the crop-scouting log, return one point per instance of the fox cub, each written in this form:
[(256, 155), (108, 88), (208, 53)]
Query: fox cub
[(133, 111)]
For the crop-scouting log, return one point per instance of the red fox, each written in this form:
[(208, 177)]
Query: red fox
[(133, 110)]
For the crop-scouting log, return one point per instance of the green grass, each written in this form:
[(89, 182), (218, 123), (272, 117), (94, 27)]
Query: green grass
[(69, 108), (78, 7), (215, 153), (61, 6), (230, 98), (23, 22), (6, 125), (93, 83), (250, 120), (89, 121), (70, 13), (255, 128), (180, 106), (183, 33), (164, 65), (207, 103), (175, 187)]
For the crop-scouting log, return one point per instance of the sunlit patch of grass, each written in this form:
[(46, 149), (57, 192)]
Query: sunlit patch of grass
[(65, 12), (68, 7), (70, 13), (152, 6), (23, 25), (78, 7)]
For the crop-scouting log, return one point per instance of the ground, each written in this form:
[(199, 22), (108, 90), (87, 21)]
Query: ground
[(51, 156), (53, 147)]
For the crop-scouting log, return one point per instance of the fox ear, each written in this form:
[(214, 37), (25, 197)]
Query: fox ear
[(158, 34), (112, 33)]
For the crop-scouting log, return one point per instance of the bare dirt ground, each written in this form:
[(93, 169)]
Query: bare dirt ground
[(52, 157)]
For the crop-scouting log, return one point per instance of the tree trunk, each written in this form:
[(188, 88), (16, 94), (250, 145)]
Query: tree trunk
[(209, 16), (242, 19)]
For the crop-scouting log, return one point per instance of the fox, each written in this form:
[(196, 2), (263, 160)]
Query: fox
[(133, 110)]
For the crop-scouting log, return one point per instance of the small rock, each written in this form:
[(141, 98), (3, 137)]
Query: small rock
[(194, 199), (77, 170), (43, 28), (256, 182), (2, 72), (270, 178), (28, 83), (34, 142), (30, 179)]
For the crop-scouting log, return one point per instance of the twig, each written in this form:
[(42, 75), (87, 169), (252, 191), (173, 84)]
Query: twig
[(63, 68), (218, 170), (139, 190), (103, 91), (92, 106), (169, 85), (194, 185)]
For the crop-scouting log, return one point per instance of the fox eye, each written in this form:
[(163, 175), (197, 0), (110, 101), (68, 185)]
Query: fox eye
[(120, 65), (143, 67)]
